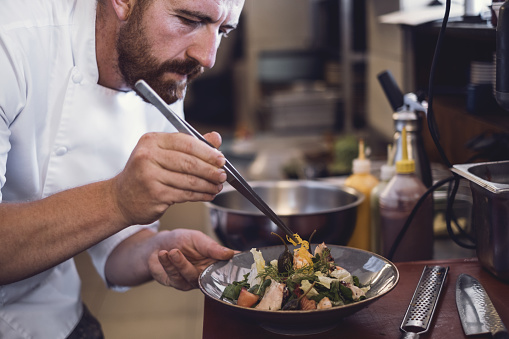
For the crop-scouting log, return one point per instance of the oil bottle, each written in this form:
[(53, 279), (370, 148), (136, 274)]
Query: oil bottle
[(397, 200), (363, 181)]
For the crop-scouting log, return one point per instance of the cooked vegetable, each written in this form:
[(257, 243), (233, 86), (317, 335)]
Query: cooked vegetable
[(294, 304), (247, 299), (232, 291), (285, 260)]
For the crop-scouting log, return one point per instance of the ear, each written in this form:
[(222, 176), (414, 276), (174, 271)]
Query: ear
[(123, 8)]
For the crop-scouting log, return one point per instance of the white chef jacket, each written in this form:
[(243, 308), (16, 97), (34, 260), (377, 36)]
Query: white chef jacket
[(58, 129)]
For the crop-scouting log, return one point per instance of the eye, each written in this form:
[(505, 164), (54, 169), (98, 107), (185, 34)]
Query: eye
[(189, 22)]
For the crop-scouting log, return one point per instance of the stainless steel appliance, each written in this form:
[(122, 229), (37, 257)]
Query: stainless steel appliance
[(489, 183)]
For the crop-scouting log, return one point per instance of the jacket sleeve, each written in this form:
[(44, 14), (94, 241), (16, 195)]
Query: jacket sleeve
[(13, 91), (100, 252)]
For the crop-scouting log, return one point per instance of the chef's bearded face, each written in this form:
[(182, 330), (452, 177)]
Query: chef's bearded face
[(136, 60)]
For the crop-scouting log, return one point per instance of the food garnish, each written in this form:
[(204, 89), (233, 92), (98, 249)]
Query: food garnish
[(302, 255)]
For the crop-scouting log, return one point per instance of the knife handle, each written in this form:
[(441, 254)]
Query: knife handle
[(410, 335), (501, 335)]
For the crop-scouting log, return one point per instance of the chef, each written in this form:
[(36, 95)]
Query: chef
[(86, 164)]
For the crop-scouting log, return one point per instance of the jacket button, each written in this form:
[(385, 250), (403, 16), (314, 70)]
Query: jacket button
[(61, 150), (77, 78)]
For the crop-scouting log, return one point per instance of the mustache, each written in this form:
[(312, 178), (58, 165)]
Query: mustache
[(170, 91), (188, 67)]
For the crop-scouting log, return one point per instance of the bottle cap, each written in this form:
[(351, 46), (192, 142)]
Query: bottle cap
[(405, 165), (387, 172), (361, 164), (388, 169)]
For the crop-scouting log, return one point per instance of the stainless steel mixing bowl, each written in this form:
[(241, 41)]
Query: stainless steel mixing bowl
[(304, 206)]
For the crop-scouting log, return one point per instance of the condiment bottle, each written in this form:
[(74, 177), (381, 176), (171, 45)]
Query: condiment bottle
[(396, 203), (412, 122), (362, 180), (387, 171)]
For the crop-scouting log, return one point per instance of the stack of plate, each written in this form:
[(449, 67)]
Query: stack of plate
[(482, 73), (480, 91)]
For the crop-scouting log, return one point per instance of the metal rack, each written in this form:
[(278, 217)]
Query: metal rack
[(347, 59)]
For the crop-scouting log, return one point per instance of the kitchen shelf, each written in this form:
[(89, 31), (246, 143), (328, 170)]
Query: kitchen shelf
[(457, 127), (458, 27), (463, 43)]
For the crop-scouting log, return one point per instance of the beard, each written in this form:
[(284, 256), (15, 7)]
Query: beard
[(135, 61)]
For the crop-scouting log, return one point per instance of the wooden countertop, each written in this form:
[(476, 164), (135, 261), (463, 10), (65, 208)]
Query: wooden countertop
[(382, 318)]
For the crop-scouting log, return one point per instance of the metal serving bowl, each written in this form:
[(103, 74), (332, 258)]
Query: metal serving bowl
[(373, 270), (304, 206)]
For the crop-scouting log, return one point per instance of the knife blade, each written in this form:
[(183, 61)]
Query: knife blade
[(476, 311)]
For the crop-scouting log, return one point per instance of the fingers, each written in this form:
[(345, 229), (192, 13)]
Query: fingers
[(190, 145), (211, 249), (181, 274), (158, 262), (188, 253), (190, 164), (185, 172), (164, 169), (214, 138)]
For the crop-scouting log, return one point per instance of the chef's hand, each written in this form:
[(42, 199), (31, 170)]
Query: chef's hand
[(190, 253), (164, 169)]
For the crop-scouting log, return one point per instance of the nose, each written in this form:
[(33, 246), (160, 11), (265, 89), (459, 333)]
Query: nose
[(204, 47)]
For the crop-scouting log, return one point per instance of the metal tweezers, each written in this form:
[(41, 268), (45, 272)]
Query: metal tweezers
[(233, 176)]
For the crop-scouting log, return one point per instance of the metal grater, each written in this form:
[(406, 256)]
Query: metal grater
[(420, 311)]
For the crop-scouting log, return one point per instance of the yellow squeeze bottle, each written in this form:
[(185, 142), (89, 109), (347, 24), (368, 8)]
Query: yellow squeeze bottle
[(363, 181)]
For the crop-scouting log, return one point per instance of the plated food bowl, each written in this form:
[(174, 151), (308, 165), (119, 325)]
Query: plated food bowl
[(373, 270), (303, 205)]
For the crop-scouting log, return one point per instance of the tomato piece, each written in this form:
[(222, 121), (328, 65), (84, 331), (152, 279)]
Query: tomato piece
[(247, 299)]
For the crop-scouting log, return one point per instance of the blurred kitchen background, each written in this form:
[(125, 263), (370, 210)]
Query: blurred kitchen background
[(297, 82)]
